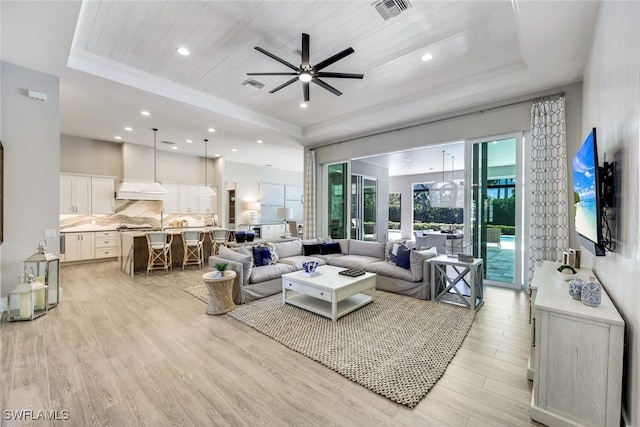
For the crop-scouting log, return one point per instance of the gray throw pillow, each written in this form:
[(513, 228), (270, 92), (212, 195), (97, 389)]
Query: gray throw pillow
[(417, 260), (243, 256)]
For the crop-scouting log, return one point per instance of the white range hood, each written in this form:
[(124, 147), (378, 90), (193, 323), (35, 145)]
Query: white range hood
[(132, 190)]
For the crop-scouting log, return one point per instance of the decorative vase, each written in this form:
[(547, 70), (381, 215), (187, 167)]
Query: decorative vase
[(575, 288), (591, 294)]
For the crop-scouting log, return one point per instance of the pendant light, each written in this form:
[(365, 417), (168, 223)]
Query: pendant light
[(443, 194), (155, 187), (205, 190)]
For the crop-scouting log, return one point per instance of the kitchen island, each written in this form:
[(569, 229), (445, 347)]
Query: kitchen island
[(134, 253)]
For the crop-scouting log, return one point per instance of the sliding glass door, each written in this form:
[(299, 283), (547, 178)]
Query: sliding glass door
[(363, 208), (337, 200), (496, 216)]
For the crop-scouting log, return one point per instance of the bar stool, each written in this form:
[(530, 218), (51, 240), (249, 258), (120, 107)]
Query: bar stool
[(218, 237), (159, 246), (192, 242)]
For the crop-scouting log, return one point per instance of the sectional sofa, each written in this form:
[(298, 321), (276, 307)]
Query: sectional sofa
[(255, 282)]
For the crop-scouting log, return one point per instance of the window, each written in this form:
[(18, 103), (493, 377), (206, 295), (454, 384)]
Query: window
[(426, 217), (395, 212)]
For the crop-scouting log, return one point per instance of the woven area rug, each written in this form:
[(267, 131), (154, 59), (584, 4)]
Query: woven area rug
[(396, 346)]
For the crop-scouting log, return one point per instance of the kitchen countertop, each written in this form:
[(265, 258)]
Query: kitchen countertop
[(140, 229)]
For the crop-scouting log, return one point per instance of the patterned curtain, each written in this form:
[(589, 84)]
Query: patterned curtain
[(549, 205), (310, 195)]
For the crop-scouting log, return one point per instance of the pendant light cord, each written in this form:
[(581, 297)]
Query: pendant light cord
[(206, 142), (155, 154)]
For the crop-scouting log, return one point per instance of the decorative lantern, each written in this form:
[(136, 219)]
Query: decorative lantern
[(28, 300), (46, 268)]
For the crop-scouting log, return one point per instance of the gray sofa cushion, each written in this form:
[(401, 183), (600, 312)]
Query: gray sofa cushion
[(344, 245), (329, 257), (384, 268), (246, 260), (353, 261), (269, 272), (288, 249), (296, 261), (370, 249)]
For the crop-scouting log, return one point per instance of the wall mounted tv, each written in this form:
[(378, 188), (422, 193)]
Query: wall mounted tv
[(587, 197)]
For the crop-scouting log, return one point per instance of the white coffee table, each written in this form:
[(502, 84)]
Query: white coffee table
[(329, 294)]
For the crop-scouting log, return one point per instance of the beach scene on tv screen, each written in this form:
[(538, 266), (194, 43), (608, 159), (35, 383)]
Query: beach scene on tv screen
[(584, 191)]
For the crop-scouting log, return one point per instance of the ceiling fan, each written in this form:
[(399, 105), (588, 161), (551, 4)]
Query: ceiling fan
[(307, 73)]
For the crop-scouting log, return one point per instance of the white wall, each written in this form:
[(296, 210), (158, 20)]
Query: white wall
[(248, 179), (90, 156), (31, 137), (612, 105)]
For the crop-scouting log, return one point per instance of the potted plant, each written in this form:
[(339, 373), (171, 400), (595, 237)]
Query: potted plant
[(221, 267)]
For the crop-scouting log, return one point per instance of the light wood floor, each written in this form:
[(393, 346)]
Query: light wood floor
[(124, 351)]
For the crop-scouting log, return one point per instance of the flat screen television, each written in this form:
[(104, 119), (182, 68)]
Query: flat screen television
[(586, 196)]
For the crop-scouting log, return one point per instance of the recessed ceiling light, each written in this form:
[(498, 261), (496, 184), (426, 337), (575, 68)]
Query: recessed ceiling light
[(259, 141), (212, 130), (128, 129), (217, 155), (183, 51), (189, 141), (407, 160), (145, 113), (304, 105), (118, 137), (174, 148), (427, 57), (234, 149), (494, 142)]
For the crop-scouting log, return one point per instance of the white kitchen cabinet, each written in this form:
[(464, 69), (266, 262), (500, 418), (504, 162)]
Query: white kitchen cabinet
[(75, 194), (184, 199), (578, 353), (107, 244), (79, 246), (171, 202), (188, 198), (103, 195), (207, 204)]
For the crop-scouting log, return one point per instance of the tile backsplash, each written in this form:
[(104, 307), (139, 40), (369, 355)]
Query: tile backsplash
[(133, 213)]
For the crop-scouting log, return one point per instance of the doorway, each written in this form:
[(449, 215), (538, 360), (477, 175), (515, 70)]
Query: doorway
[(496, 215), (364, 196)]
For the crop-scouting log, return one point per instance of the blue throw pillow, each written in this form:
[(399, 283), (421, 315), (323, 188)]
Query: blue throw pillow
[(403, 259), (261, 256), (308, 250), (330, 248)]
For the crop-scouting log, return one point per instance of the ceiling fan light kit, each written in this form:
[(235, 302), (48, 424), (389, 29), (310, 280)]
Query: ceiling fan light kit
[(307, 73)]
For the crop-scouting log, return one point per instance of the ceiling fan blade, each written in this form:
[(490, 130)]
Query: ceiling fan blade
[(340, 75), (305, 50), (335, 58), (272, 74), (282, 61), (305, 91), (284, 85), (327, 86)]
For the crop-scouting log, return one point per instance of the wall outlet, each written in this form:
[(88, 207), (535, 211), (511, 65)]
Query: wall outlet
[(50, 232)]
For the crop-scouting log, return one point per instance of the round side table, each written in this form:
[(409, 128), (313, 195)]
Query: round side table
[(220, 291)]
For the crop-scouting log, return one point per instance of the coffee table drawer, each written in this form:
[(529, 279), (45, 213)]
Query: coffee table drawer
[(308, 290)]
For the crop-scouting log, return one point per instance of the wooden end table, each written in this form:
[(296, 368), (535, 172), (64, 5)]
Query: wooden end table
[(220, 291), (457, 282)]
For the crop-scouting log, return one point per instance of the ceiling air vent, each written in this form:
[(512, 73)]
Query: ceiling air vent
[(251, 82), (390, 8), (169, 142)]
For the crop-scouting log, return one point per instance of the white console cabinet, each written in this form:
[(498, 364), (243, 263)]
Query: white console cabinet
[(578, 353)]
